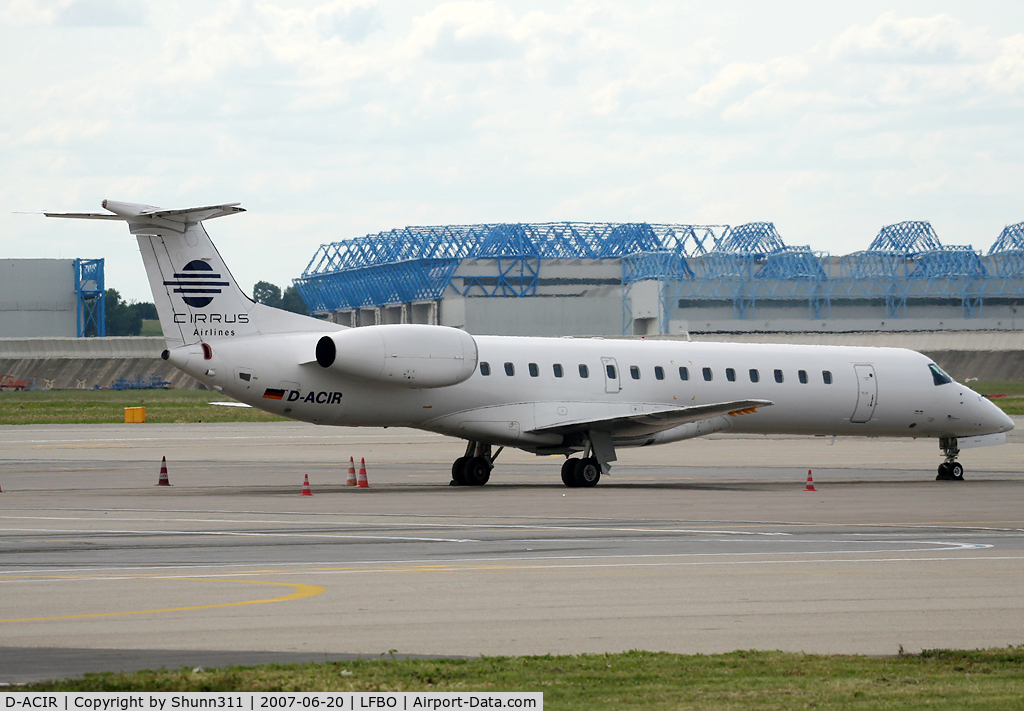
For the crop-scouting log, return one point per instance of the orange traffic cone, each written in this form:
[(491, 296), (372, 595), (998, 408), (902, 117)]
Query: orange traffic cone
[(362, 483), (810, 482), (164, 481), (305, 486), (351, 481)]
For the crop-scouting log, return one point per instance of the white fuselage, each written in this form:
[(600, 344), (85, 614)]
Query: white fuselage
[(873, 391)]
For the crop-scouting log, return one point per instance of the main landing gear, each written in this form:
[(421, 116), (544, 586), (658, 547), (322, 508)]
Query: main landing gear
[(581, 472), (951, 469), (474, 469), (586, 471)]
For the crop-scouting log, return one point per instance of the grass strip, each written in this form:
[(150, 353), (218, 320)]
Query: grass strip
[(76, 407), (935, 679)]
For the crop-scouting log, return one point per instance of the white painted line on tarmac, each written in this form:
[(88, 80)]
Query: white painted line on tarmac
[(472, 526), (439, 566), (254, 534), (663, 559)]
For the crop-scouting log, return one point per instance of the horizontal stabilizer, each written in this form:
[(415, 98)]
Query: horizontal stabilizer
[(147, 219), (655, 419)]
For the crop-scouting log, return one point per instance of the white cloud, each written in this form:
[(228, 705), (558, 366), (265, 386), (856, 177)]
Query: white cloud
[(468, 32), (911, 40), (332, 118)]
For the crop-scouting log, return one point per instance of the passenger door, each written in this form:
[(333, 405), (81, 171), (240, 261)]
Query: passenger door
[(867, 393), (612, 383)]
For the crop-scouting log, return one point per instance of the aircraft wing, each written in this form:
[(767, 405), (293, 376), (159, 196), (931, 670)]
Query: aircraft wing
[(647, 420)]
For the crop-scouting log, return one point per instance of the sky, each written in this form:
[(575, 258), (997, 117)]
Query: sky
[(331, 120)]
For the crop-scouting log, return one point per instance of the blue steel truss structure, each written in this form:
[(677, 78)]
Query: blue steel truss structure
[(692, 264), (416, 264), (92, 309)]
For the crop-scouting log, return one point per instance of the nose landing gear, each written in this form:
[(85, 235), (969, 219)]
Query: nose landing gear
[(951, 469)]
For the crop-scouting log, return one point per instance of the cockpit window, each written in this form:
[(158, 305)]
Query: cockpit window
[(938, 376)]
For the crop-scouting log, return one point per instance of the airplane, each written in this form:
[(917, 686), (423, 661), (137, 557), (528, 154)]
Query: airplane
[(548, 396)]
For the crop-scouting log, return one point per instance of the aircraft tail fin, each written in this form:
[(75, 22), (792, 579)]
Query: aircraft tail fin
[(196, 297)]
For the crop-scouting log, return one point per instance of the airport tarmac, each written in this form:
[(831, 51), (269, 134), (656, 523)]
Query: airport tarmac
[(701, 546)]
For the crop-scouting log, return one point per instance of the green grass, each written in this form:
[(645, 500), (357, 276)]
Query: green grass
[(938, 679), (56, 407), (151, 327)]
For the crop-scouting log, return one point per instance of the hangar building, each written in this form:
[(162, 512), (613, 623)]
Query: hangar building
[(572, 278), (51, 297)]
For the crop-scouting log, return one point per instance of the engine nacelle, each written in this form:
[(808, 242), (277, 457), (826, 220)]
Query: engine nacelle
[(409, 355)]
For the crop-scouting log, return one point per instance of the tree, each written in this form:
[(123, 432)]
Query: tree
[(122, 319), (292, 301), (147, 310), (266, 293)]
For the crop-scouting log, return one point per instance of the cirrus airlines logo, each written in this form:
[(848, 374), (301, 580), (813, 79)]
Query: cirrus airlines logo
[(197, 283)]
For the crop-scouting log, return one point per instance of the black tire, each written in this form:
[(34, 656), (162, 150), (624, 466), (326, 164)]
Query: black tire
[(943, 474), (588, 472), (569, 472), (476, 472), (956, 471), (459, 471)]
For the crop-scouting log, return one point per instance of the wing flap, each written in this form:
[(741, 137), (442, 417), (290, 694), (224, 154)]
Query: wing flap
[(646, 420)]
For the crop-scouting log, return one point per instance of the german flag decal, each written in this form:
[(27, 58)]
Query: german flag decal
[(272, 394)]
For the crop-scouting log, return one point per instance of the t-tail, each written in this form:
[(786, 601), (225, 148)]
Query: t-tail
[(196, 297)]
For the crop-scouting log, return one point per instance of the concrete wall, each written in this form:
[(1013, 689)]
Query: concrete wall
[(37, 298), (89, 373), (88, 362), (599, 313), (111, 347)]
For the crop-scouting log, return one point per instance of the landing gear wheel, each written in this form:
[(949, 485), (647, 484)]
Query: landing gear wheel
[(944, 474), (476, 471), (588, 472), (956, 471), (569, 472), (458, 471)]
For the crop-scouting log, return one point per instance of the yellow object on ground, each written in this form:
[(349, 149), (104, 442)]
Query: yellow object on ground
[(134, 414)]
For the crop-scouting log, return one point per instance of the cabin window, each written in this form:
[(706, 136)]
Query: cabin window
[(659, 373), (826, 377), (684, 373), (534, 370), (754, 375), (485, 368), (802, 374), (730, 375), (584, 371), (778, 376), (707, 374), (510, 369), (938, 376), (634, 372), (557, 370), (610, 370)]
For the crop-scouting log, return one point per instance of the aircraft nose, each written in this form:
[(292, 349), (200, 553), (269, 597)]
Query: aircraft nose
[(995, 418)]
